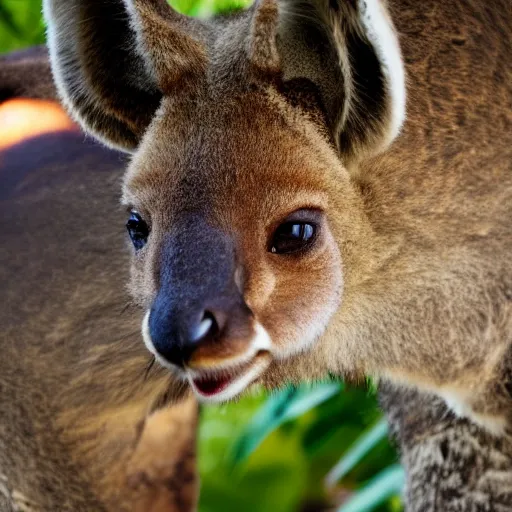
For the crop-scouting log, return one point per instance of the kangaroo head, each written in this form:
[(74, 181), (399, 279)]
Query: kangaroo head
[(248, 231)]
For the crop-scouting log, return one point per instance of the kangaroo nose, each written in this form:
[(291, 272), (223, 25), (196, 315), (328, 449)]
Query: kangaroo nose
[(176, 335), (199, 313)]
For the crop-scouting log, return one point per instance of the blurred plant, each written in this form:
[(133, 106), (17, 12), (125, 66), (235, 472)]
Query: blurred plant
[(21, 23), (296, 437), (308, 448)]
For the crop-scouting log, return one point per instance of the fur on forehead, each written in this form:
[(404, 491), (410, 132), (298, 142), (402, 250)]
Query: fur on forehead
[(192, 168)]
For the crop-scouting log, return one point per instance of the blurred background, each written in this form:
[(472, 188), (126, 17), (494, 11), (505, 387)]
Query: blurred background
[(307, 449)]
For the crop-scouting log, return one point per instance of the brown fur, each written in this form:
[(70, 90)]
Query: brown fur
[(451, 464), (409, 279), (26, 75), (77, 427)]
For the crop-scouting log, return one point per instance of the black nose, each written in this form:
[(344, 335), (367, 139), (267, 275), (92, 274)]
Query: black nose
[(176, 334)]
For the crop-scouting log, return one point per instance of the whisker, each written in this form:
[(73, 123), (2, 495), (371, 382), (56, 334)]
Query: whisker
[(129, 305), (131, 334), (172, 393), (149, 366)]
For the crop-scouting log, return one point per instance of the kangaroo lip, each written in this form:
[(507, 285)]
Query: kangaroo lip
[(213, 383)]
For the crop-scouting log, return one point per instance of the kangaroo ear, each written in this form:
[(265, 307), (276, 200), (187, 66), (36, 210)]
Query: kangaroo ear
[(114, 60), (349, 50)]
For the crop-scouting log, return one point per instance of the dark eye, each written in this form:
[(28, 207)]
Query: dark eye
[(292, 237), (138, 230)]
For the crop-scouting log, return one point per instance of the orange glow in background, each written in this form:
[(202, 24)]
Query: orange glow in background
[(22, 119)]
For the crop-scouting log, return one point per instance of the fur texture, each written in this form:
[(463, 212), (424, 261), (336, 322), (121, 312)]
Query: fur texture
[(77, 427), (287, 119), (451, 464)]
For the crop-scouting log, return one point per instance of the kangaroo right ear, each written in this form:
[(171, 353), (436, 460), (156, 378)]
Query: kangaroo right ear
[(349, 50), (113, 60)]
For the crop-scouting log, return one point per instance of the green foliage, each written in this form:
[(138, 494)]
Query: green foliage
[(323, 446), (204, 8), (21, 22), (273, 453), (279, 408), (366, 441), (379, 489)]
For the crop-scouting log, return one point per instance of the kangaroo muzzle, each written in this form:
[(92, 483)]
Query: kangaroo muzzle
[(199, 323)]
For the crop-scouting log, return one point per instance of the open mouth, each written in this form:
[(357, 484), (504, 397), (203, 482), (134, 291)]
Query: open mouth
[(210, 386), (221, 385)]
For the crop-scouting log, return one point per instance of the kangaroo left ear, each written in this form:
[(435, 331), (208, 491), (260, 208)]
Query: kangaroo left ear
[(349, 50), (114, 60)]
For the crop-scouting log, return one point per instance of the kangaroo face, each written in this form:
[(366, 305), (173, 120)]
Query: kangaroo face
[(247, 228), (235, 252)]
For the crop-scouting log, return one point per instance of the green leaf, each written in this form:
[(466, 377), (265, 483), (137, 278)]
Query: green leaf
[(388, 483), (7, 19), (357, 452), (280, 407), (372, 386), (207, 8)]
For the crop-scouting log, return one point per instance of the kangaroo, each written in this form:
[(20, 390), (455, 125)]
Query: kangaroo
[(317, 188), (81, 427)]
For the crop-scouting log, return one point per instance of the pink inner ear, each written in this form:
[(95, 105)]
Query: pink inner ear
[(22, 119)]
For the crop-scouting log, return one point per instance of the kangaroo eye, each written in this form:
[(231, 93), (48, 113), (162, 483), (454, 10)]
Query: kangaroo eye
[(138, 230), (292, 237)]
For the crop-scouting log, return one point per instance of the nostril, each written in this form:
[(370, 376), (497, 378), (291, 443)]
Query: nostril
[(207, 327)]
